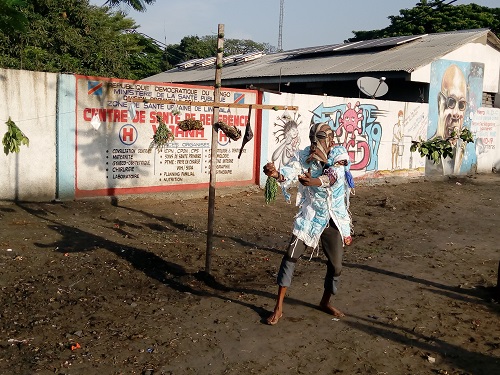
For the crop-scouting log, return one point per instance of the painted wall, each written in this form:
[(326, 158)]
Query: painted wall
[(66, 140), (485, 126), (80, 128), (481, 53), (29, 99), (484, 54), (376, 133), (455, 94), (113, 138)]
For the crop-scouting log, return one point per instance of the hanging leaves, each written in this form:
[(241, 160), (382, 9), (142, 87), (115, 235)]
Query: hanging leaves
[(434, 148), (162, 136), (190, 124), (270, 189), (230, 131), (13, 138)]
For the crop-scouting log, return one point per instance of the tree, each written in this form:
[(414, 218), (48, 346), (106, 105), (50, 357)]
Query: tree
[(150, 60), (73, 37), (435, 17), (11, 17), (138, 5), (193, 47)]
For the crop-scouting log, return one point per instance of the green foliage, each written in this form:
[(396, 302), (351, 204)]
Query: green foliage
[(236, 46), (149, 60), (13, 138), (435, 148), (194, 47), (70, 36), (435, 17), (11, 17), (270, 189), (162, 136), (138, 5)]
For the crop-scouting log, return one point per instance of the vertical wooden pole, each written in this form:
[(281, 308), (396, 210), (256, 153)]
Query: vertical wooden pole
[(213, 158)]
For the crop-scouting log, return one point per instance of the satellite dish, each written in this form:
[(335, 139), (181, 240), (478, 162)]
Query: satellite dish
[(373, 87)]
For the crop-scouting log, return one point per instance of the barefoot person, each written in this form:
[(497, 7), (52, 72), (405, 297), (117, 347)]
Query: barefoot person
[(323, 199)]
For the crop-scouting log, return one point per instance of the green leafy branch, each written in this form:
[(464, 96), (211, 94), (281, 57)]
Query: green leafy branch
[(162, 136), (14, 138), (434, 148), (270, 189)]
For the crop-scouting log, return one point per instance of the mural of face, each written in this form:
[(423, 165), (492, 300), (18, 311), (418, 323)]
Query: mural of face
[(321, 137), (452, 102)]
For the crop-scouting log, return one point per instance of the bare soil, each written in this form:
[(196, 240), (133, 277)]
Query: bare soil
[(119, 286)]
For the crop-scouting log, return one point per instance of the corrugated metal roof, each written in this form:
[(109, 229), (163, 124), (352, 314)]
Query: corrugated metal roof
[(406, 57)]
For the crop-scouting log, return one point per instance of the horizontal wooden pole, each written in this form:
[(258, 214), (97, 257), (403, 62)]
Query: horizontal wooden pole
[(214, 104)]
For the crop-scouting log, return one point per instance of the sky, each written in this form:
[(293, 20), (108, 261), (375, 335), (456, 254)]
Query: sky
[(305, 23)]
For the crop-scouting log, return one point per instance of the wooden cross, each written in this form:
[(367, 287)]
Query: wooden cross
[(214, 104), (213, 160)]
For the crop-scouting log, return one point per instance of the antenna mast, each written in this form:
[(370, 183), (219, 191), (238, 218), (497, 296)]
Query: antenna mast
[(280, 35)]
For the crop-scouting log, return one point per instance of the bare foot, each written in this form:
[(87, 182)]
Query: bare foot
[(331, 310), (274, 318)]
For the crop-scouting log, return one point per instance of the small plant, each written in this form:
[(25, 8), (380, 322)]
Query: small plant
[(434, 148), (14, 138), (162, 136)]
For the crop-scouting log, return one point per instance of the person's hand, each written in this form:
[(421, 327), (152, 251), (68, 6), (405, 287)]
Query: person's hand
[(306, 179), (270, 170), (348, 240)]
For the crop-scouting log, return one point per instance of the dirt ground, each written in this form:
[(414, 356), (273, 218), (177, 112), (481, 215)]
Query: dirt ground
[(118, 286)]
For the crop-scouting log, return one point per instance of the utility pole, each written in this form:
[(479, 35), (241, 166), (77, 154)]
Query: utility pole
[(280, 34)]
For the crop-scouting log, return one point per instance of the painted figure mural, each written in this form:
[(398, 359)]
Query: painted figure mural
[(397, 142), (357, 128), (376, 134), (350, 124), (287, 138), (455, 94)]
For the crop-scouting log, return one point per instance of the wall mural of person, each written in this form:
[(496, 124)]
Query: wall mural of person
[(397, 142), (455, 93), (287, 138)]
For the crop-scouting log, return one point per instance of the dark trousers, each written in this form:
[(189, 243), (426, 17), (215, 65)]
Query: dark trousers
[(332, 246)]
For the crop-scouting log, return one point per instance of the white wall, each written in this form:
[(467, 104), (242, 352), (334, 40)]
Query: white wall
[(365, 127), (471, 52), (113, 155), (29, 99), (61, 139), (486, 129)]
